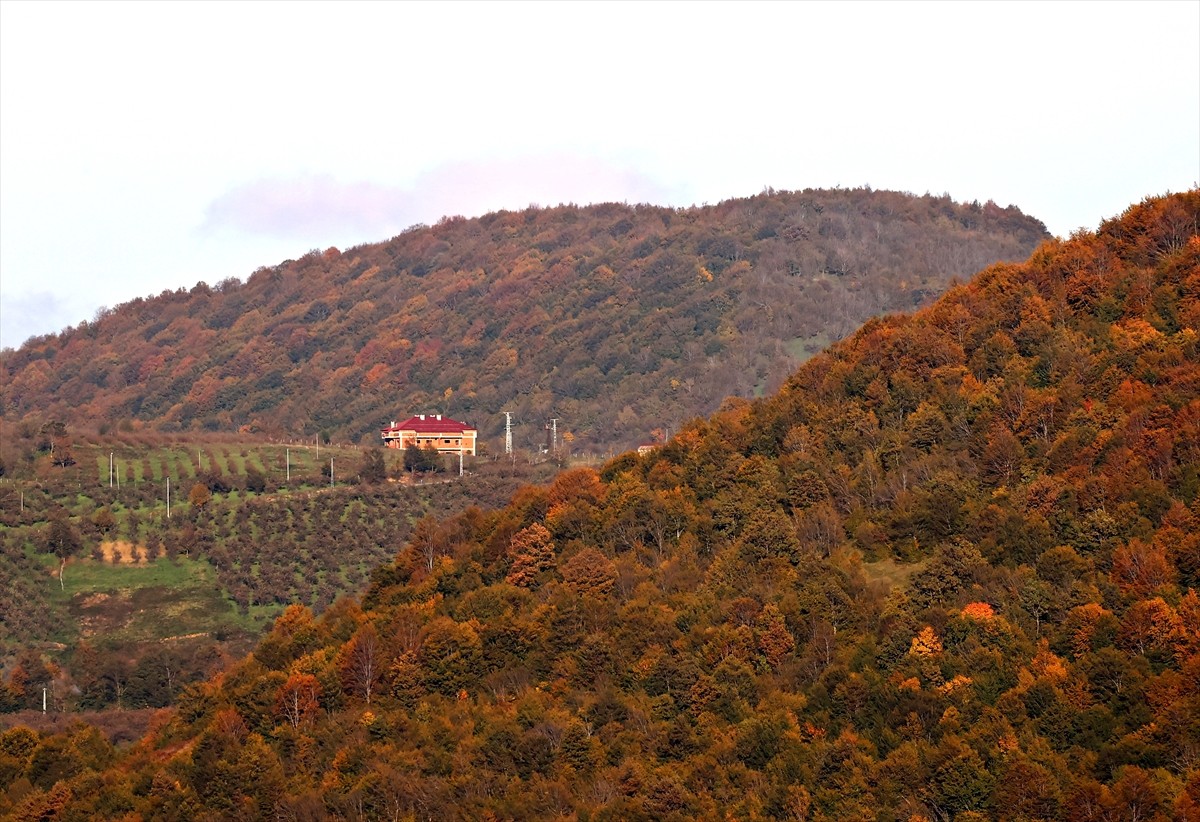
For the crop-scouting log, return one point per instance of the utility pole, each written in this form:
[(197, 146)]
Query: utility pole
[(168, 497), (331, 472), (507, 432), (554, 436), (288, 461), (110, 469), (460, 458)]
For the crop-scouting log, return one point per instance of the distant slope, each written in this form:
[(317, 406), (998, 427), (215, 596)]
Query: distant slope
[(272, 533), (948, 572), (617, 319)]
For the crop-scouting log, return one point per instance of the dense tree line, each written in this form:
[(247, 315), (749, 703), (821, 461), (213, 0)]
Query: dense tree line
[(621, 320), (948, 572)]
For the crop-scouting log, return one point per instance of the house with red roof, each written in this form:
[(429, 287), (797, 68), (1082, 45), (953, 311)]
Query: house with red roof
[(446, 435)]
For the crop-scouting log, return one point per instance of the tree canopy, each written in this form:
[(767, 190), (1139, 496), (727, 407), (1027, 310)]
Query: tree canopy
[(949, 571)]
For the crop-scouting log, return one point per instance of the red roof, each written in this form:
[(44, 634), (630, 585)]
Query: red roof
[(431, 424)]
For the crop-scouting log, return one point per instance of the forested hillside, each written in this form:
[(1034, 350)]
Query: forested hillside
[(618, 320), (947, 572)]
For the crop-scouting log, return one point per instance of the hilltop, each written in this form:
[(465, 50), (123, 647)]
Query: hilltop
[(622, 321), (948, 571)]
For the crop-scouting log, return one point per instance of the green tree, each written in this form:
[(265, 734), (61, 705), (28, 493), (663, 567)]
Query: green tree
[(61, 537), (373, 469), (422, 460), (62, 541), (451, 656)]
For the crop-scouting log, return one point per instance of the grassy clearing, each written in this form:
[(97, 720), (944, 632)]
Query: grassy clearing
[(85, 576), (803, 348), (148, 602), (890, 573)]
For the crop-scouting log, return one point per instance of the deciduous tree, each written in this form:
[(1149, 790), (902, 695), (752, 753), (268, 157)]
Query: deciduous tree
[(360, 663), (298, 699)]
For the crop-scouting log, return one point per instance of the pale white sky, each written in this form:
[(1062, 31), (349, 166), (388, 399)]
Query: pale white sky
[(147, 146)]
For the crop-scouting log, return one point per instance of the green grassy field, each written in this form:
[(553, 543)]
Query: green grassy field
[(803, 348), (124, 603), (799, 349)]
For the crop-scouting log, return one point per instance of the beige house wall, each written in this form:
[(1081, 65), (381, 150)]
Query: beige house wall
[(446, 442)]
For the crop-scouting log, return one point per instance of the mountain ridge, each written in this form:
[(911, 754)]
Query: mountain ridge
[(622, 320)]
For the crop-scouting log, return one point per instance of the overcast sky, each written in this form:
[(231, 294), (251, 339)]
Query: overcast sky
[(148, 146)]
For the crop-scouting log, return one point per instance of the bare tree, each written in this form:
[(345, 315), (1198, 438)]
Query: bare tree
[(360, 663)]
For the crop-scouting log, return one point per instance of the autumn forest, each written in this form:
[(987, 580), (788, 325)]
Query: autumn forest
[(919, 538), (618, 319)]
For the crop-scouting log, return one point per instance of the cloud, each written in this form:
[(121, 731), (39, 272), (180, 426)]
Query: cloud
[(477, 187), (320, 208), (27, 314), (305, 207)]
